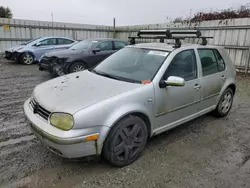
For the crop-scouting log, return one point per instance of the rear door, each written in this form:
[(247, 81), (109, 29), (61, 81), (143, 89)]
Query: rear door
[(213, 76)]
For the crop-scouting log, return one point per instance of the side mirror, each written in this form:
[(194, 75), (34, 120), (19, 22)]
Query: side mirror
[(38, 44), (96, 50), (172, 81)]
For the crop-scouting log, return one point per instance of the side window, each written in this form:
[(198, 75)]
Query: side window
[(183, 65), (62, 41), (221, 63), (105, 46), (210, 61), (119, 45), (48, 42)]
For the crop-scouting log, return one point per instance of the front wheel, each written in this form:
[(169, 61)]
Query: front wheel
[(126, 141), (225, 103), (27, 58), (78, 66)]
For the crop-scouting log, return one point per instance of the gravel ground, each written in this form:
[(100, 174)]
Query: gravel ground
[(206, 152)]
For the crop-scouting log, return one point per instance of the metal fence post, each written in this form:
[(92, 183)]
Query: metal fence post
[(31, 34), (248, 61)]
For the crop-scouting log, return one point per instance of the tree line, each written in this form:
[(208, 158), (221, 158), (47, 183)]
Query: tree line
[(5, 12)]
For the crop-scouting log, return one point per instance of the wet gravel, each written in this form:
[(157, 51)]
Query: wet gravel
[(206, 152)]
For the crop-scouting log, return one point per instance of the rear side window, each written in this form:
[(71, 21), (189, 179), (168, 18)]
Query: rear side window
[(62, 41), (211, 61), (119, 45)]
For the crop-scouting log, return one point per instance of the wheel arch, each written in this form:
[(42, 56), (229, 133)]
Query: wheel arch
[(139, 114)]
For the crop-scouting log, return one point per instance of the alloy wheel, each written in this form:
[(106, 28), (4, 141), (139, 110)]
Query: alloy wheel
[(226, 102)]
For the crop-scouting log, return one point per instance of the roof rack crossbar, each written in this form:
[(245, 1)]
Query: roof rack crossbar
[(168, 34)]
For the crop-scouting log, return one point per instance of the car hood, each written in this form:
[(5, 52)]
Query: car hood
[(15, 48), (73, 92), (62, 53)]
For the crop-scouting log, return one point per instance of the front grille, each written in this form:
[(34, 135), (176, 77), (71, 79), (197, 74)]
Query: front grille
[(37, 109)]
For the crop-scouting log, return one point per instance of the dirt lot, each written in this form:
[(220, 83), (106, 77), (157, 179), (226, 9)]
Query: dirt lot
[(206, 152)]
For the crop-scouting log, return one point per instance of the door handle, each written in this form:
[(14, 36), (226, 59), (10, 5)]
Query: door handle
[(197, 86), (223, 77)]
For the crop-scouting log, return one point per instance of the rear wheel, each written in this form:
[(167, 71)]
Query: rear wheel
[(77, 66), (27, 58), (225, 103), (126, 141)]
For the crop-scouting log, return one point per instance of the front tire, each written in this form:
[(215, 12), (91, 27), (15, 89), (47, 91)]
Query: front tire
[(27, 58), (225, 103), (77, 66), (126, 141)]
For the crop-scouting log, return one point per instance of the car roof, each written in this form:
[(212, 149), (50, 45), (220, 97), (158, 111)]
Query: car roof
[(169, 47), (104, 39), (55, 37)]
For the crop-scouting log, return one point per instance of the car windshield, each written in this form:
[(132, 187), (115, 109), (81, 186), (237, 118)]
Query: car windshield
[(83, 45), (132, 64), (30, 41)]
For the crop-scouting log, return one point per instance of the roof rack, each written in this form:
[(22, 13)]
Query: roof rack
[(169, 34)]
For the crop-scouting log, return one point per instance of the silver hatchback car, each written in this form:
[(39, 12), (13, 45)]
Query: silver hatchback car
[(136, 93)]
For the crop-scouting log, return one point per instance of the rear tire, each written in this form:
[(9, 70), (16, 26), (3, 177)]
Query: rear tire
[(126, 141), (27, 58), (77, 66), (225, 103)]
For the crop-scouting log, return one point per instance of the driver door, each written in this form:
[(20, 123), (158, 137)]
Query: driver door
[(177, 104), (106, 49), (45, 46)]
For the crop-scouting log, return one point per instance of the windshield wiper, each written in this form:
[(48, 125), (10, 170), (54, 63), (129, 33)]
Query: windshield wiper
[(114, 77)]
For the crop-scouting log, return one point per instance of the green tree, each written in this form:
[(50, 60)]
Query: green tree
[(5, 12)]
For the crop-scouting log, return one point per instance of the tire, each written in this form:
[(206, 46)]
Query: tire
[(77, 66), (27, 58), (126, 141), (225, 103)]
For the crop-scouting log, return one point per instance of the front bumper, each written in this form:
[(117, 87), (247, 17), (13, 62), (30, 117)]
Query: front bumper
[(9, 55), (69, 144)]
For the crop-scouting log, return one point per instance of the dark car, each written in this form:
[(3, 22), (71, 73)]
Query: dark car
[(85, 54)]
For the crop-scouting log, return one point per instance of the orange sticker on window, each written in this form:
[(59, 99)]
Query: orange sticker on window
[(146, 81)]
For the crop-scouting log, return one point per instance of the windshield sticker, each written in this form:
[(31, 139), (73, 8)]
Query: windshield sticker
[(94, 41), (146, 81), (161, 53)]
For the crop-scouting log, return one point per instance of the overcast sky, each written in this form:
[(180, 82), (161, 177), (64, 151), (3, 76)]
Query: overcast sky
[(126, 12)]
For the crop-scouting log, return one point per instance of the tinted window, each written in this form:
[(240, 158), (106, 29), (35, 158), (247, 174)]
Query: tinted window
[(48, 42), (183, 65), (104, 46), (64, 41), (119, 45), (211, 61)]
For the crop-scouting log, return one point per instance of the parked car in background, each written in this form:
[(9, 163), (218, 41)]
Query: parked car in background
[(31, 51), (83, 55)]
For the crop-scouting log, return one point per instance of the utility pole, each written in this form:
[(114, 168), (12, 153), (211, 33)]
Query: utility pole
[(114, 32), (190, 14), (52, 18)]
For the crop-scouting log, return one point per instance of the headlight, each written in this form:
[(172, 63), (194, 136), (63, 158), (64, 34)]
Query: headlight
[(62, 60), (62, 121)]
